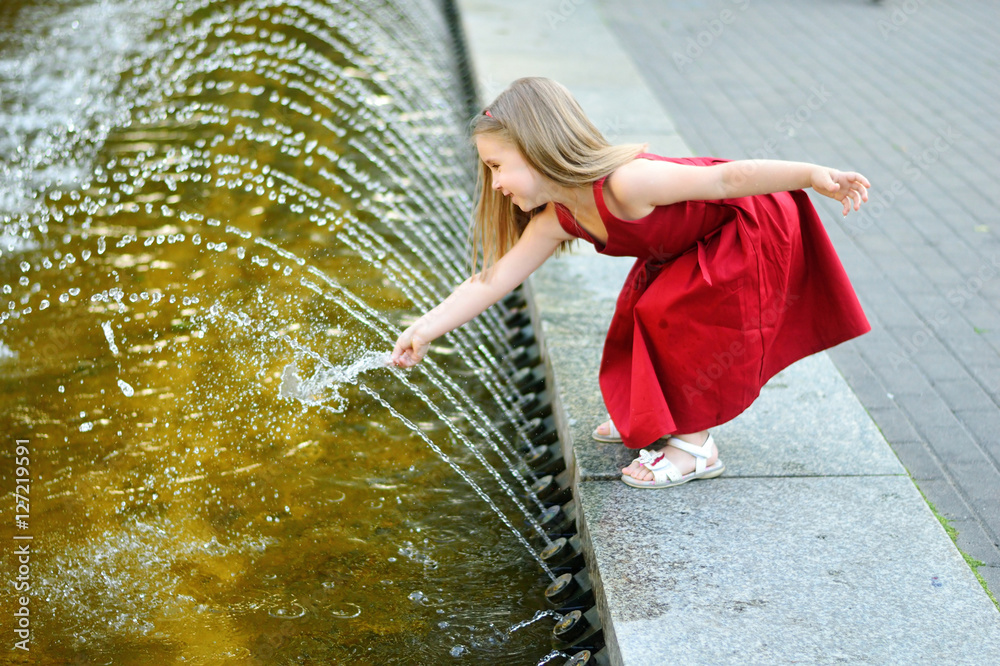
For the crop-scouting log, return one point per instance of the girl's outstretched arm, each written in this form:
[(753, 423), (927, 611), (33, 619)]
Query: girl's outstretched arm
[(540, 239), (655, 183)]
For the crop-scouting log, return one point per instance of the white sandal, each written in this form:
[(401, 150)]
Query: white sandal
[(666, 474), (613, 437)]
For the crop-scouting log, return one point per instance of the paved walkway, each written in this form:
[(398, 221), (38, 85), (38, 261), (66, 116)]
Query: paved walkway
[(907, 93)]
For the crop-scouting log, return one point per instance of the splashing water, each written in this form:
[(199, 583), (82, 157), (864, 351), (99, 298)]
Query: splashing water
[(555, 654), (314, 389), (540, 615), (110, 336)]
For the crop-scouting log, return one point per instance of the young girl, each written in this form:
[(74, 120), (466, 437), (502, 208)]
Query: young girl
[(735, 277)]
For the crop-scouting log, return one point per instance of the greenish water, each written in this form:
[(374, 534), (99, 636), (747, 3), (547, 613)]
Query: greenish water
[(199, 199)]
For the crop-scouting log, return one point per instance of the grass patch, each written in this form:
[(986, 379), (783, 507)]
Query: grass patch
[(973, 563)]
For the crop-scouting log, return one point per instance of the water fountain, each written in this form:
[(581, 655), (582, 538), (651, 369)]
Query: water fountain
[(216, 216)]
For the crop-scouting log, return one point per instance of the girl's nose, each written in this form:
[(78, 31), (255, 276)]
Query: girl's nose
[(496, 183)]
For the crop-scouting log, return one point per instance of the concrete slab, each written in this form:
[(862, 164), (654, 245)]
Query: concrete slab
[(806, 422), (777, 571)]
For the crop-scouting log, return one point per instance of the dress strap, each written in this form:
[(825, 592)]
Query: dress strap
[(567, 222), (602, 208), (571, 226)]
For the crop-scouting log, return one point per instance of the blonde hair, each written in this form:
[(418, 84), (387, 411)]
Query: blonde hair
[(545, 123)]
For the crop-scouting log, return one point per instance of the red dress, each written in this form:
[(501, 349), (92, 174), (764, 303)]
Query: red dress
[(723, 295)]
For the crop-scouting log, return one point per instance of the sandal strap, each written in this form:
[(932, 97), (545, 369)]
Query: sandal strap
[(612, 430), (658, 464), (700, 453)]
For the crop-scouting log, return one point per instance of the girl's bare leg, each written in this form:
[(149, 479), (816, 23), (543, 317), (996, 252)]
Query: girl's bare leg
[(684, 461)]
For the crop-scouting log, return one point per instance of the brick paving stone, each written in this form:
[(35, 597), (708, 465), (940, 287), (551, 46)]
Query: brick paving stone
[(899, 375), (982, 314), (953, 444), (890, 306), (992, 577), (942, 494), (984, 425), (918, 460), (939, 311), (940, 367), (894, 425), (862, 379), (971, 348), (988, 375), (980, 485), (964, 394), (974, 543), (992, 337)]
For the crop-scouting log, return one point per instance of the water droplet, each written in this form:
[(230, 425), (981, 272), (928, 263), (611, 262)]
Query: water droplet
[(346, 611), (126, 389), (288, 611), (110, 335)]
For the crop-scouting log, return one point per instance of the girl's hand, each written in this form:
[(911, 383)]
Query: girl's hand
[(410, 349), (848, 187)]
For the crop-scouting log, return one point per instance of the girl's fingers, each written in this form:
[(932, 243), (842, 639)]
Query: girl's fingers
[(851, 200)]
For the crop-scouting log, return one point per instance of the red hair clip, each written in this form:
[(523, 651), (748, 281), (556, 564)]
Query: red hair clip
[(487, 112)]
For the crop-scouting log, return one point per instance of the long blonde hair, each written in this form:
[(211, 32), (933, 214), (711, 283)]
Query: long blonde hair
[(545, 123)]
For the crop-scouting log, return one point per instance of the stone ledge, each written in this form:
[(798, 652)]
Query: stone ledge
[(784, 570)]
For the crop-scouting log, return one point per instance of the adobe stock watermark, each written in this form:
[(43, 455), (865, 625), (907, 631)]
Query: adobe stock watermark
[(565, 9), (785, 128), (704, 40), (488, 87), (958, 297), (22, 546), (612, 129), (913, 170), (723, 361), (899, 16)]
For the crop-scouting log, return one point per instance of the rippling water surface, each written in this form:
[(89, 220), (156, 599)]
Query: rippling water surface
[(216, 216)]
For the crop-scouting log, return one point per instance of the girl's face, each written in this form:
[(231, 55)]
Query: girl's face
[(511, 174)]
